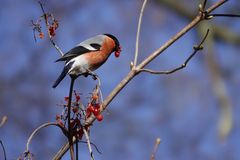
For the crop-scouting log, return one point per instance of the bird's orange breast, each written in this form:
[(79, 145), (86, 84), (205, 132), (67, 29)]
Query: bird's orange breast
[(97, 58)]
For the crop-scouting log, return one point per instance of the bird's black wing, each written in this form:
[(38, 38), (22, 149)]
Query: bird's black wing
[(96, 46), (78, 50)]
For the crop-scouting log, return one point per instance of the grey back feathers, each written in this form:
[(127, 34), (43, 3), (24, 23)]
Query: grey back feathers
[(91, 44), (97, 40)]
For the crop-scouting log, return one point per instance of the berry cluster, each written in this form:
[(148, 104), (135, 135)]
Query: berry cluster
[(95, 110), (75, 122), (79, 113), (94, 106), (51, 25)]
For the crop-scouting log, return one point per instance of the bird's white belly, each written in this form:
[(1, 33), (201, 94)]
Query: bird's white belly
[(80, 65)]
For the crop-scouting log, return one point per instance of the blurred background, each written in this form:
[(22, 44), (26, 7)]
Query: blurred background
[(195, 111)]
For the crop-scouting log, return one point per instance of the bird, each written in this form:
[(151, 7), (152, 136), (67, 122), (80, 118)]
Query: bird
[(88, 56)]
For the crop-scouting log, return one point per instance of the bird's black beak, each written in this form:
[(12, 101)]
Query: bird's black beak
[(118, 51)]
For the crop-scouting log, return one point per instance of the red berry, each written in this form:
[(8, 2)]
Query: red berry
[(58, 117), (91, 108), (41, 35), (95, 97), (51, 31), (117, 54), (75, 109), (77, 98), (97, 105), (88, 114), (66, 99), (99, 117), (96, 111)]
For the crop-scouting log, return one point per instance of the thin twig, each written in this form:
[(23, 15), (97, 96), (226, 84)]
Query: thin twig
[(204, 4), (76, 149), (63, 150), (215, 6), (89, 143), (70, 135), (100, 92), (37, 129), (3, 121), (153, 155), (45, 15), (138, 32), (195, 51), (224, 15), (4, 151), (94, 145)]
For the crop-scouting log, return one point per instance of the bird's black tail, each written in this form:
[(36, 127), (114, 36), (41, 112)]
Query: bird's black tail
[(60, 78)]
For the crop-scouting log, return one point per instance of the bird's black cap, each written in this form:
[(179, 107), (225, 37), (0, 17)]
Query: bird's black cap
[(115, 40)]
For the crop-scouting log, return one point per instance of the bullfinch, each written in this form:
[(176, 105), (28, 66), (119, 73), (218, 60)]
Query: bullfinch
[(88, 55)]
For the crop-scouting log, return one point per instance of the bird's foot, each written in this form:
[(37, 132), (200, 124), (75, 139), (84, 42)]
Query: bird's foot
[(94, 76)]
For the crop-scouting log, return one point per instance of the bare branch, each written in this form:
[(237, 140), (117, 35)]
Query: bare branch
[(195, 51), (62, 151), (76, 149), (70, 135), (89, 143), (204, 4), (3, 121), (4, 151), (153, 155), (93, 146), (38, 129), (45, 15), (138, 32), (225, 15), (217, 30), (215, 6)]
